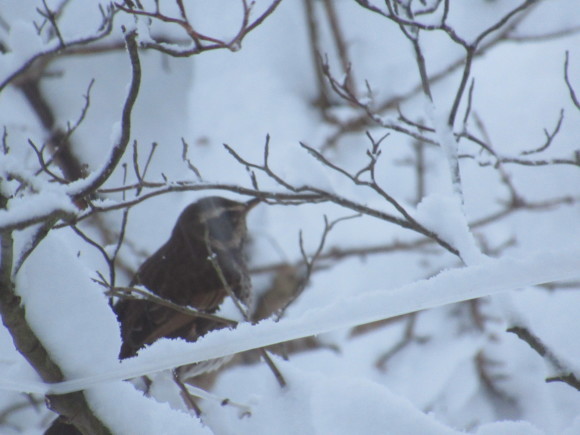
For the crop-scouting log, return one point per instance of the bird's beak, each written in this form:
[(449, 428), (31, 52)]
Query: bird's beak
[(252, 203)]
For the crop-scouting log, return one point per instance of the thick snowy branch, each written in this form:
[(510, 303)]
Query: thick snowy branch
[(451, 286), (73, 406)]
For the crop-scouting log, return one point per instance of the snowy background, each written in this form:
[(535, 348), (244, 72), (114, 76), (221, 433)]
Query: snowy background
[(405, 337)]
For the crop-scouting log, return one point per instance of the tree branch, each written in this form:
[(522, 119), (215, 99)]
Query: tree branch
[(565, 374), (125, 135), (72, 406)]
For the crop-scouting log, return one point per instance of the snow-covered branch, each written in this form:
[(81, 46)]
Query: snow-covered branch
[(451, 286)]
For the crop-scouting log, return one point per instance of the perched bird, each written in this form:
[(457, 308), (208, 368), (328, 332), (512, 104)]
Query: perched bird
[(203, 255), (202, 258)]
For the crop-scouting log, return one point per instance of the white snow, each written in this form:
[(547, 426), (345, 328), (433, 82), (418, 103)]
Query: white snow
[(451, 374), (451, 286)]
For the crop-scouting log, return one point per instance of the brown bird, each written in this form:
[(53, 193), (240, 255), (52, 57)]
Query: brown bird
[(203, 256)]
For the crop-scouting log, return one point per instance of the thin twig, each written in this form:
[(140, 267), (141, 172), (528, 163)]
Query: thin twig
[(549, 137), (45, 56), (565, 374), (339, 200), (135, 293), (119, 148), (241, 308), (185, 158), (310, 261), (569, 84)]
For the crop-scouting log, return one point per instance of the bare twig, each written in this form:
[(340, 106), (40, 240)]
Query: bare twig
[(569, 84), (340, 43), (185, 158), (314, 34), (323, 195), (542, 37), (45, 56), (51, 17), (515, 197), (242, 309), (549, 137), (565, 374), (5, 147), (310, 260), (201, 42), (409, 337), (44, 165), (574, 161), (486, 41), (29, 402), (119, 148), (490, 380), (187, 398), (118, 245), (139, 294)]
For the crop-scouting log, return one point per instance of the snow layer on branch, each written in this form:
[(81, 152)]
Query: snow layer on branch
[(443, 214), (450, 286), (67, 310), (35, 206), (71, 316), (128, 411), (318, 403)]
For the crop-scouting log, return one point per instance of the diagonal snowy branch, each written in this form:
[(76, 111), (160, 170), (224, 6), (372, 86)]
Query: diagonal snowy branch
[(450, 286)]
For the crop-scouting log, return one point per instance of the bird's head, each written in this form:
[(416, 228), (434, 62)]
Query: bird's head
[(218, 220)]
